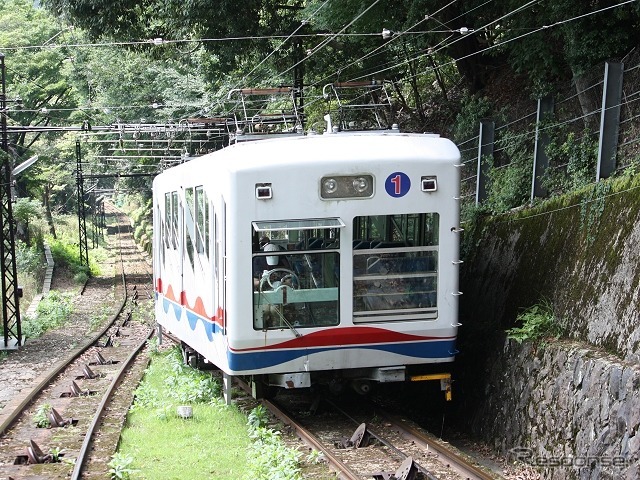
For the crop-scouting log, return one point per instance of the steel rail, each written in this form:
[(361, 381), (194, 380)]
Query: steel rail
[(453, 460), (88, 439), (343, 472), (385, 442), (16, 412), (9, 419)]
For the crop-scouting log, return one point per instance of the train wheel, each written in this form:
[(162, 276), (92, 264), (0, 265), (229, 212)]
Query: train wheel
[(361, 386), (190, 356)]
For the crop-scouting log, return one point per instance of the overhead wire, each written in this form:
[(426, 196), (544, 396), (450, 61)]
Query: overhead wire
[(303, 23), (331, 36), (325, 42), (442, 47)]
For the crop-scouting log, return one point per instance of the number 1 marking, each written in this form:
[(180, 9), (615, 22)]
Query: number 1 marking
[(397, 182)]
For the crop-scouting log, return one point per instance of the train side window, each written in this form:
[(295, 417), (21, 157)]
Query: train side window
[(190, 227), (216, 244), (202, 221), (171, 217), (167, 238), (161, 239)]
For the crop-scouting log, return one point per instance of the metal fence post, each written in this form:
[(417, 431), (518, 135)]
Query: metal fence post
[(540, 159), (610, 119), (485, 148)]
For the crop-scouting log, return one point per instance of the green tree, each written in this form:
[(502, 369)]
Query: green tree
[(37, 92), (29, 216)]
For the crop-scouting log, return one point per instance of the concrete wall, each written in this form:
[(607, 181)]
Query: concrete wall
[(577, 398)]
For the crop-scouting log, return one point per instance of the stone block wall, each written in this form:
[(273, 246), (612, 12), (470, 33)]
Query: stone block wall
[(573, 412), (577, 398)]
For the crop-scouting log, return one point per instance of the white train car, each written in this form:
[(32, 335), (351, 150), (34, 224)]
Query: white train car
[(318, 259)]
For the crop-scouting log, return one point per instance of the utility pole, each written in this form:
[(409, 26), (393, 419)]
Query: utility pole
[(298, 80), (12, 330)]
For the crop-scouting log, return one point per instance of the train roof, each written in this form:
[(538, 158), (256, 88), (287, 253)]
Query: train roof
[(329, 147)]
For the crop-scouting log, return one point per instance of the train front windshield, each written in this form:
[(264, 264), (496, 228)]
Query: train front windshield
[(296, 273), (395, 267), (296, 270)]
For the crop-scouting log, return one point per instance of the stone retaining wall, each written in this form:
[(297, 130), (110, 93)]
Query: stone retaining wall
[(572, 411), (577, 398)]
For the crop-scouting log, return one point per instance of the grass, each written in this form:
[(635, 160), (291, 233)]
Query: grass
[(53, 311), (215, 440), (65, 250)]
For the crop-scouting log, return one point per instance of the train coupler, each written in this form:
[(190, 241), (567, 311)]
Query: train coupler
[(445, 382)]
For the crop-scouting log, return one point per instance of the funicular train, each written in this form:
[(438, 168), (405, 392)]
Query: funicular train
[(315, 260)]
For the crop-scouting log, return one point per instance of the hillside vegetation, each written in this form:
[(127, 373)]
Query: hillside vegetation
[(103, 68)]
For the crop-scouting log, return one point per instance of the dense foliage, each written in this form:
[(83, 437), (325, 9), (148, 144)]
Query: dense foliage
[(86, 63)]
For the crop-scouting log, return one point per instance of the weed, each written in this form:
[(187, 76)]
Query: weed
[(154, 347), (258, 417), (56, 453), (592, 208), (41, 417), (120, 467), (270, 458), (188, 385), (315, 457), (145, 397), (53, 310), (538, 324), (165, 412), (156, 438), (67, 253), (99, 318)]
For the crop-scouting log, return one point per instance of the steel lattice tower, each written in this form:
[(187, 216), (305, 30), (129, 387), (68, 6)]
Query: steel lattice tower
[(82, 212), (10, 291)]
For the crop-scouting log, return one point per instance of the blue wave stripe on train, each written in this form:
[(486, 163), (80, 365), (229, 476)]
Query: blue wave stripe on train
[(210, 328), (267, 358)]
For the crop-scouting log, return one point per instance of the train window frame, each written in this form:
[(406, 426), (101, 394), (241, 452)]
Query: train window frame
[(302, 289), (395, 267), (189, 224), (202, 220), (172, 220), (301, 224), (166, 237)]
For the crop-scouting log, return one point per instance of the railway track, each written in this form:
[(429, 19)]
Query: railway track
[(81, 402), (367, 443)]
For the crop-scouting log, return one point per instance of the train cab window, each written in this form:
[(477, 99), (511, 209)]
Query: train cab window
[(296, 273), (395, 267)]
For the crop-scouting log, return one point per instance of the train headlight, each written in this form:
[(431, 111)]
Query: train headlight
[(329, 185), (360, 184), (347, 186)]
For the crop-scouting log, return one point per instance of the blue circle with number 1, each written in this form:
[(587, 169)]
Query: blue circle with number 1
[(397, 184)]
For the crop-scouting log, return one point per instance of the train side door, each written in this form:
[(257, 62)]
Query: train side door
[(222, 235)]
